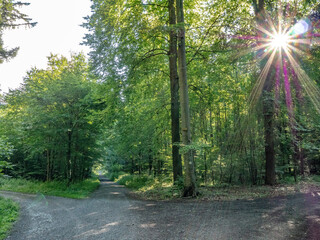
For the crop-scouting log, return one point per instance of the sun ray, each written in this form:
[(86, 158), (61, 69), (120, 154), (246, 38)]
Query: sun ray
[(280, 43), (262, 29), (279, 40), (277, 85), (257, 89), (307, 84), (301, 41), (287, 90), (295, 49)]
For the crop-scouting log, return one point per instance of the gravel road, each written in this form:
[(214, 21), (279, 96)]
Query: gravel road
[(110, 213)]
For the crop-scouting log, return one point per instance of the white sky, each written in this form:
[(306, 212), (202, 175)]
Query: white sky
[(58, 31)]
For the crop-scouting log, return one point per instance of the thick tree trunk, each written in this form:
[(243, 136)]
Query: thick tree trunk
[(267, 101), (190, 188), (268, 110), (268, 114), (174, 86)]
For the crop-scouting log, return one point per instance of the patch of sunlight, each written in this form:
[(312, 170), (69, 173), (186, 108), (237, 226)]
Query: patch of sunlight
[(314, 218), (111, 224), (148, 188), (103, 229), (115, 193), (117, 186), (148, 225), (291, 224), (150, 204), (93, 213), (167, 184), (135, 208)]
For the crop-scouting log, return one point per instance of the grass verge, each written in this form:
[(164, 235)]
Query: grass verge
[(149, 188), (76, 190), (9, 212)]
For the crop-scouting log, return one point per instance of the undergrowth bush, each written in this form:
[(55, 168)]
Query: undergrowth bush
[(134, 182), (315, 178), (149, 187), (115, 175)]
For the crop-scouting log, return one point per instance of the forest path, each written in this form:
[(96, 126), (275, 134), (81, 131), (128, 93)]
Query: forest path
[(110, 214)]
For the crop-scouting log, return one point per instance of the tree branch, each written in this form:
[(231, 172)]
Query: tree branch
[(203, 39)]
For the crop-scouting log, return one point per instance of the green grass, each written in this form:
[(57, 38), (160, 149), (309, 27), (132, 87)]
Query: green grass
[(76, 190), (147, 187), (162, 188), (9, 212), (134, 182), (315, 179)]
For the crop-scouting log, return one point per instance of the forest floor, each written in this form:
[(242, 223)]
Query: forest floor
[(111, 213)]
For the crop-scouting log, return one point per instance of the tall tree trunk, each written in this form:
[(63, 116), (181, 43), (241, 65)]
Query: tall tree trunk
[(268, 113), (267, 102), (69, 171), (48, 166), (299, 151), (174, 86), (190, 188)]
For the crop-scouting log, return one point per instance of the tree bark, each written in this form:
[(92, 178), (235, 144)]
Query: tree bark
[(174, 87), (267, 102), (69, 173), (299, 151), (190, 188), (268, 113), (48, 166)]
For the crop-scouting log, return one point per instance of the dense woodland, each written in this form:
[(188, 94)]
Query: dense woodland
[(171, 89)]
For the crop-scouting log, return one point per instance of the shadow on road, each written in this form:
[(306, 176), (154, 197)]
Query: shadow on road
[(110, 214)]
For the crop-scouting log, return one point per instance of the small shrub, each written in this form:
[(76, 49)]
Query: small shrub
[(115, 175), (132, 181)]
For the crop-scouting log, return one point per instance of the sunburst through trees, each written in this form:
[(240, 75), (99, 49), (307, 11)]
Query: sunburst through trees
[(281, 42)]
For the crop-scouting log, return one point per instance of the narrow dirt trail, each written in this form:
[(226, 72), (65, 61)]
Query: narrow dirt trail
[(110, 214)]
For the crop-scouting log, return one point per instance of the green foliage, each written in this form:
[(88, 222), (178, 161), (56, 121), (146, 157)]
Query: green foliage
[(9, 212), (115, 175), (129, 56), (67, 119), (147, 187), (133, 181), (6, 150), (316, 178), (76, 190), (50, 122), (288, 180), (11, 18)]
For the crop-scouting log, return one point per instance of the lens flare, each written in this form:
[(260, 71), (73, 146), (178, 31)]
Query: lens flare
[(301, 27), (280, 41)]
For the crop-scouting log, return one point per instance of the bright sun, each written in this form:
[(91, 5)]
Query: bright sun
[(280, 41)]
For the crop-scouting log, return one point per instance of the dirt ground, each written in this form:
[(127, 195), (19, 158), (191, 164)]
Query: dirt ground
[(110, 213)]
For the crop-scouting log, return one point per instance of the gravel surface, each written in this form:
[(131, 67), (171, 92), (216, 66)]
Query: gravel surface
[(110, 213)]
